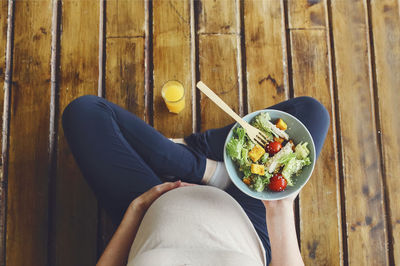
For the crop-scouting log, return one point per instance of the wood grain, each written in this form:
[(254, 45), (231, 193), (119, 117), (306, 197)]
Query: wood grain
[(320, 224), (320, 221), (359, 67), (307, 14), (27, 210), (3, 192), (125, 18), (3, 43), (125, 57), (218, 71), (125, 67), (365, 223), (171, 60), (217, 17), (265, 42), (75, 215), (218, 60), (386, 38)]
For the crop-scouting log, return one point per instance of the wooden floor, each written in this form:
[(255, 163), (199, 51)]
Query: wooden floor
[(345, 53)]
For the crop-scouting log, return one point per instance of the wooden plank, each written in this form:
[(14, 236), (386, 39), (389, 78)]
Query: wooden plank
[(320, 224), (218, 59), (307, 14), (217, 17), (125, 68), (172, 61), (75, 215), (27, 198), (385, 16), (265, 41), (3, 192), (3, 43), (125, 18), (125, 55), (365, 222), (218, 70)]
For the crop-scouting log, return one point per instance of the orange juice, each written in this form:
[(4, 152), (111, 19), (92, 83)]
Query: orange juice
[(174, 96)]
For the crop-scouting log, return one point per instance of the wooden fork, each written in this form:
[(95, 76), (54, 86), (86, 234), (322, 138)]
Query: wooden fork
[(256, 135)]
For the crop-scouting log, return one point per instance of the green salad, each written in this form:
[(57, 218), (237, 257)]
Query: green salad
[(271, 167)]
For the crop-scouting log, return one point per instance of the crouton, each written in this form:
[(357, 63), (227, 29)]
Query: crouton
[(257, 169), (281, 124), (246, 181), (256, 153)]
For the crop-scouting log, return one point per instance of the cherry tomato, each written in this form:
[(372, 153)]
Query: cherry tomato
[(273, 147), (277, 182)]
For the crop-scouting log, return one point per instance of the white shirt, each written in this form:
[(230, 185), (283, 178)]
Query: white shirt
[(196, 225)]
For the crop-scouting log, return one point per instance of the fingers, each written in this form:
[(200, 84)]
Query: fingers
[(185, 184), (164, 187), (167, 186)]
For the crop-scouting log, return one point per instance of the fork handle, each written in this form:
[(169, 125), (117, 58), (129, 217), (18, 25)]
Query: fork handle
[(221, 104)]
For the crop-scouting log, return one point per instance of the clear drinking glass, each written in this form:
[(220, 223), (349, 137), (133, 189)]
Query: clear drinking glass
[(173, 94)]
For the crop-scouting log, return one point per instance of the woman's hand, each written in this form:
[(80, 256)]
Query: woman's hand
[(285, 203), (117, 251), (282, 232), (143, 202)]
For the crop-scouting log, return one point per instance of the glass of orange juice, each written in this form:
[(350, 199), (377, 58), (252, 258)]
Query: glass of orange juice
[(173, 94)]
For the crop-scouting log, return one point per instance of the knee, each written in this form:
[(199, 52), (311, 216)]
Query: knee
[(77, 109), (314, 107)]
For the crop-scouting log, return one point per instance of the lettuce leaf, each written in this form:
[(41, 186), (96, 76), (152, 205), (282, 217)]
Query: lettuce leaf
[(244, 161), (236, 143), (302, 151), (260, 182), (286, 158), (239, 146), (234, 148), (259, 185), (294, 166), (264, 158), (261, 122), (246, 170)]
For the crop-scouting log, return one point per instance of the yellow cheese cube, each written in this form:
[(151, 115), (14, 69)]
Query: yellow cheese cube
[(256, 153), (257, 169), (281, 124)]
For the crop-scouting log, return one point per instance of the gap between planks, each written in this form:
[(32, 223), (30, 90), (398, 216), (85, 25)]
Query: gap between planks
[(195, 65), (244, 101), (148, 62)]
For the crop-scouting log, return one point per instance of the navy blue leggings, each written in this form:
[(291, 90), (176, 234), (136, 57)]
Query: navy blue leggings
[(121, 156)]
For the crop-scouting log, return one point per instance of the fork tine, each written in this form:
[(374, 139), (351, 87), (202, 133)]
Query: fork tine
[(258, 142), (264, 136), (260, 139)]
